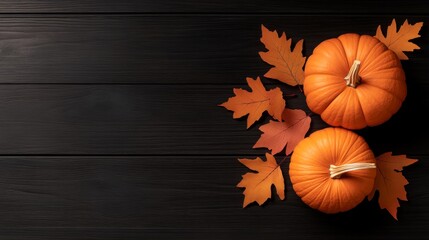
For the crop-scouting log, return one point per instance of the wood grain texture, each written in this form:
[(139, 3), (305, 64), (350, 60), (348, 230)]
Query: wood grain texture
[(139, 119), (209, 6), (166, 49), (177, 197), (120, 119), (110, 129)]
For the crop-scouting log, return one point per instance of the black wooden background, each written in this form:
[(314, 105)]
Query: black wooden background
[(109, 125)]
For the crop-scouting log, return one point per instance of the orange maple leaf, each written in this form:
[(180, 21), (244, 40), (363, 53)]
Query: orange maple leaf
[(256, 102), (287, 64), (390, 182), (399, 41), (258, 185), (277, 135)]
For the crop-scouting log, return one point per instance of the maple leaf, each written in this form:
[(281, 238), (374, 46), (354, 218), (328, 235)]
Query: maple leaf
[(399, 41), (256, 102), (277, 135), (258, 185), (390, 182), (287, 64)]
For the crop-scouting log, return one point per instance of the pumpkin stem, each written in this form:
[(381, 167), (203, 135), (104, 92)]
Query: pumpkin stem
[(337, 171), (352, 78)]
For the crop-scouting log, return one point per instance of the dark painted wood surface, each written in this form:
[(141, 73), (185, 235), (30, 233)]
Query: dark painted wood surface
[(210, 6), (110, 129), (175, 197), (167, 49)]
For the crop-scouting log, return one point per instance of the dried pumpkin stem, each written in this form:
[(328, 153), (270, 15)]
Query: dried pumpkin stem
[(352, 78), (337, 171)]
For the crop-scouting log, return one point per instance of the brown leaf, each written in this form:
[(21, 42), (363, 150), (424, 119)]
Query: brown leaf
[(258, 185), (390, 182), (256, 102), (287, 64), (277, 135), (399, 42)]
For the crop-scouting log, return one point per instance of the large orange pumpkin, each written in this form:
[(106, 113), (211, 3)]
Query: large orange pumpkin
[(332, 170), (354, 81)]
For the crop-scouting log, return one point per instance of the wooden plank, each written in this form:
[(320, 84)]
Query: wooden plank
[(187, 197), (165, 49), (207, 6), (207, 233), (139, 119)]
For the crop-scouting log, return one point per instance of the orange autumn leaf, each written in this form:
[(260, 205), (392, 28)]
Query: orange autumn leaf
[(258, 185), (390, 182), (399, 41), (277, 135), (287, 64), (256, 102)]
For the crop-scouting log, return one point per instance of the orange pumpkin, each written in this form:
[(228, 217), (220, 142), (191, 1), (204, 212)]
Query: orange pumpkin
[(332, 170), (354, 81)]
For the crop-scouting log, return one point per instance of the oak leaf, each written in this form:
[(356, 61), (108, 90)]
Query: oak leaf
[(256, 102), (258, 185), (288, 65), (277, 135), (390, 182), (398, 41)]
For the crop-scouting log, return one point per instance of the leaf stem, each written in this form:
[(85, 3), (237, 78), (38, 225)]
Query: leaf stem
[(282, 161)]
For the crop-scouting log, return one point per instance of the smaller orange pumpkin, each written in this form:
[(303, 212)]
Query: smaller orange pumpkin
[(332, 170), (354, 81)]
